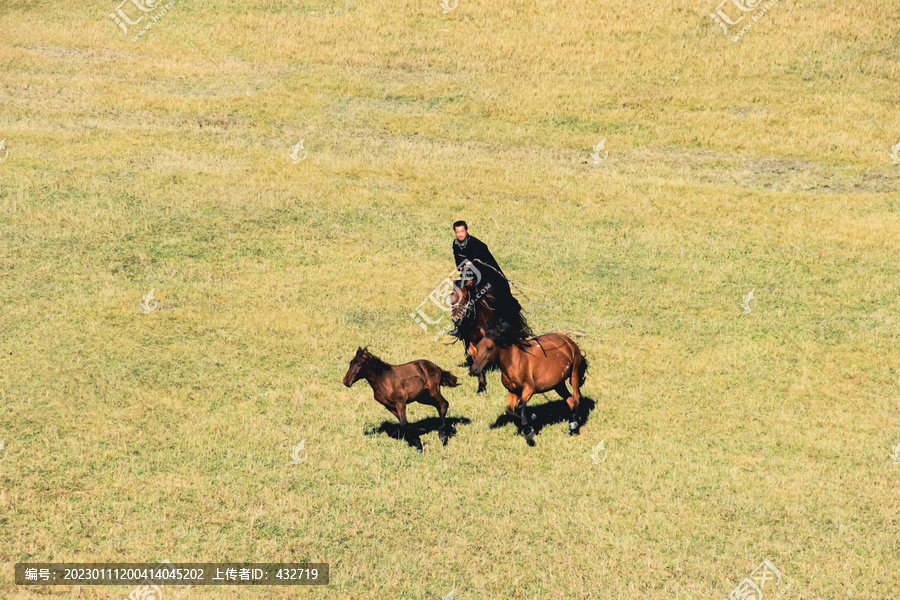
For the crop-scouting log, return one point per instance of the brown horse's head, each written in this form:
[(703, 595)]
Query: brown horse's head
[(355, 372), (486, 352)]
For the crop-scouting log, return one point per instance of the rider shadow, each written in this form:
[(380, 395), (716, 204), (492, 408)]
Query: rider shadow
[(547, 414), (423, 427)]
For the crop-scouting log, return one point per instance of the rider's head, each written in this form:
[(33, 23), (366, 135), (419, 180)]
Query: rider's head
[(461, 230)]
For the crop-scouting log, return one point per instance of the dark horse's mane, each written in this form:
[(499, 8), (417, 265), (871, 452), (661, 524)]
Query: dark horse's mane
[(507, 311), (505, 336), (376, 364)]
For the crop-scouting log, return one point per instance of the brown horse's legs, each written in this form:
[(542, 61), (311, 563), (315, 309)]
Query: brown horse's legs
[(575, 399), (482, 380), (512, 404), (516, 409), (524, 424), (570, 399), (482, 384), (401, 414), (527, 393)]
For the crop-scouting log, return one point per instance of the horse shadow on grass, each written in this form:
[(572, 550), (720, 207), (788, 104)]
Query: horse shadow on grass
[(423, 427), (547, 414)]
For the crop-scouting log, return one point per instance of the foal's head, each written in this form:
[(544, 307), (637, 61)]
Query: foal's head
[(364, 363), (357, 366)]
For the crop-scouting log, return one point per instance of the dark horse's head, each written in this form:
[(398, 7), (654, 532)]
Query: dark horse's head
[(364, 363), (461, 300), (480, 307)]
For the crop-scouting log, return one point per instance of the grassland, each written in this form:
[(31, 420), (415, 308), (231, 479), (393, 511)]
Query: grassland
[(731, 436)]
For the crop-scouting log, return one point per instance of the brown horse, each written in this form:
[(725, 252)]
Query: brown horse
[(397, 385), (478, 308), (533, 366)]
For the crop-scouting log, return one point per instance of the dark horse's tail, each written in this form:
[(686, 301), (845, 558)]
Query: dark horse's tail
[(448, 379), (582, 370)]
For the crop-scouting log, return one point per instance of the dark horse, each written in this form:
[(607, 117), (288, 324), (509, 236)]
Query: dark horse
[(535, 365), (475, 310), (397, 385)]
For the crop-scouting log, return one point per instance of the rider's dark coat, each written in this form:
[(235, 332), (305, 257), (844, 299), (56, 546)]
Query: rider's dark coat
[(477, 252)]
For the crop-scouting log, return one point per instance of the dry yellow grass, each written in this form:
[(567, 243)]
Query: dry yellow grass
[(730, 437)]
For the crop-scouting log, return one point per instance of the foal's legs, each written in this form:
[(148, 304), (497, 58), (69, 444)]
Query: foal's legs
[(401, 414), (434, 398), (442, 406)]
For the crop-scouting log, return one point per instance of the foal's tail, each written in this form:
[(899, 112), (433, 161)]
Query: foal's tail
[(582, 370), (448, 379)]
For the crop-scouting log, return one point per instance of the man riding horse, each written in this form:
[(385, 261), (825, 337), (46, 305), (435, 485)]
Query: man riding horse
[(469, 249), (483, 297), (475, 262)]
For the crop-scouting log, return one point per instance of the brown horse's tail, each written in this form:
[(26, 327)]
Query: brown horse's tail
[(582, 370), (448, 379)]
